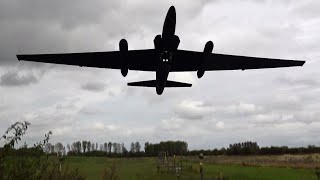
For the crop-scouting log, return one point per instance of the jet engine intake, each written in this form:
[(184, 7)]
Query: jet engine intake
[(206, 52), (123, 47), (200, 73), (208, 48)]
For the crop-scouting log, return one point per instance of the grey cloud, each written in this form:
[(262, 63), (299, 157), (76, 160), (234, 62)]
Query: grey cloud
[(190, 115), (52, 27), (276, 118), (193, 110), (91, 110), (94, 86), (69, 13), (307, 9), (285, 103), (65, 26), (15, 79), (240, 109), (310, 81)]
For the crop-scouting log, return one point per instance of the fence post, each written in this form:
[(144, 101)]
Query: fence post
[(201, 166)]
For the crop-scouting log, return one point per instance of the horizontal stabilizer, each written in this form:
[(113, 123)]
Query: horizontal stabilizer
[(152, 83)]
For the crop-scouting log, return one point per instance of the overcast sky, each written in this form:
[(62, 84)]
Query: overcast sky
[(271, 106)]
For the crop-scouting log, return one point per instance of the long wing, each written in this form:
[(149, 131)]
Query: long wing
[(191, 61), (143, 60)]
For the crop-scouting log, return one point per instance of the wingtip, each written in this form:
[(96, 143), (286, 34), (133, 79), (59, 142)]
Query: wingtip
[(18, 57)]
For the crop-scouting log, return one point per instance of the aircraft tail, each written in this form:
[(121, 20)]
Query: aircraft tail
[(152, 83)]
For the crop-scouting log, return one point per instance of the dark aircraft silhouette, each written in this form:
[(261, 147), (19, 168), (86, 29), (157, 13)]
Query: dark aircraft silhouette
[(164, 58)]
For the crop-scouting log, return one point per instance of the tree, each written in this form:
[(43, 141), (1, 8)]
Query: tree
[(137, 147), (78, 147), (92, 146), (123, 149), (119, 149), (146, 144), (47, 148), (115, 148), (132, 148), (149, 149), (84, 146), (68, 147), (172, 147), (89, 146), (74, 147), (109, 147), (58, 148), (105, 147)]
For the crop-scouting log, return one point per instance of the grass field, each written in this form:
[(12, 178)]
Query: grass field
[(145, 168)]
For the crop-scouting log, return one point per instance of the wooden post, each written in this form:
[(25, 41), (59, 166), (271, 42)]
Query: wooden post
[(201, 170), (174, 161), (201, 166)]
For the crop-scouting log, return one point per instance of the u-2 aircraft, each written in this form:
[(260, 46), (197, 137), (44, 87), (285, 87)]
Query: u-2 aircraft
[(165, 57)]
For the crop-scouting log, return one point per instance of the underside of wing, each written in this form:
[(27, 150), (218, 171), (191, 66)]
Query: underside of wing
[(142, 60), (192, 61)]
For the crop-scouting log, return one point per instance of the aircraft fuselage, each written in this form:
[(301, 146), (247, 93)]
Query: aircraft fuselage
[(166, 45)]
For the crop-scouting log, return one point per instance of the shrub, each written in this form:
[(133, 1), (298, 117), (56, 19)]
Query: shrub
[(32, 163)]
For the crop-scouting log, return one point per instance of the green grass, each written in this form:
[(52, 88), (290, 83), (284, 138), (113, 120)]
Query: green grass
[(145, 168), (263, 173)]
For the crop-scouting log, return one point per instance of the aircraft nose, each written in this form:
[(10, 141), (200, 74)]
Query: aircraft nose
[(159, 90)]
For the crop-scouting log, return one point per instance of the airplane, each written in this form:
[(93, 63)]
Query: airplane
[(165, 57)]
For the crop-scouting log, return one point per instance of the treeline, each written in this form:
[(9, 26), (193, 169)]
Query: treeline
[(93, 149), (22, 151), (171, 147), (252, 148), (113, 149)]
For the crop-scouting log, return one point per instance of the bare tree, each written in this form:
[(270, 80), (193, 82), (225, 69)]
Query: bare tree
[(132, 148), (109, 147), (105, 147), (74, 147), (119, 148), (137, 147), (123, 149), (78, 147), (89, 146), (68, 147), (115, 147), (92, 146), (84, 146), (58, 148), (47, 148)]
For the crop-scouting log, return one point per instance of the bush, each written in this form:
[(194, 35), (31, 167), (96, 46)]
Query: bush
[(31, 163)]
